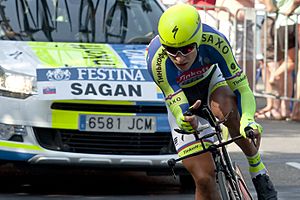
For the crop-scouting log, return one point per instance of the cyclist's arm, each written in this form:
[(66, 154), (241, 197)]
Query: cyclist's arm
[(246, 100), (174, 96), (235, 77)]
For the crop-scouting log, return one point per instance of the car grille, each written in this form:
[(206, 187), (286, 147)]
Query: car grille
[(109, 108), (105, 143)]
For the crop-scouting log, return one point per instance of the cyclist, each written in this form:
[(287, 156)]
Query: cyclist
[(193, 65)]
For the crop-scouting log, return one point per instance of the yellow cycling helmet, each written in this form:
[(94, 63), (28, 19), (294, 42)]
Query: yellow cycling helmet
[(180, 25)]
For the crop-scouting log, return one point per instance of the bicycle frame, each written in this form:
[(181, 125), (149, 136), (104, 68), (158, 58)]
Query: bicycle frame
[(221, 159)]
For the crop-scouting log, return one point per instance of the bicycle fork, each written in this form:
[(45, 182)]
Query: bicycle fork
[(227, 169)]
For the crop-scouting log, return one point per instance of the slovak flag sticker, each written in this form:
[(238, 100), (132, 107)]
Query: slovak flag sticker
[(49, 90)]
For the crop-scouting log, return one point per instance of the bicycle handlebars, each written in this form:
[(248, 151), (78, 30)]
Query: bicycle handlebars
[(250, 134), (216, 124)]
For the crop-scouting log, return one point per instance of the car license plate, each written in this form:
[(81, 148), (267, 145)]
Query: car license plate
[(105, 123)]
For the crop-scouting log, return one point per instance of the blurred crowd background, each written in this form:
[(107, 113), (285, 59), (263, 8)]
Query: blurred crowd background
[(264, 37)]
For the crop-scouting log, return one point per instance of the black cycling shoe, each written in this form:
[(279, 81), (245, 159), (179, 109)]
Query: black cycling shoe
[(264, 187)]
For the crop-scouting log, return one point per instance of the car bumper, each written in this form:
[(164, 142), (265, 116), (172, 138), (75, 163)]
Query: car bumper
[(33, 114)]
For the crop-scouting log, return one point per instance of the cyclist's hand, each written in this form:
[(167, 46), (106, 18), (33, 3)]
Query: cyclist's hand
[(189, 122), (250, 123), (184, 124), (257, 128)]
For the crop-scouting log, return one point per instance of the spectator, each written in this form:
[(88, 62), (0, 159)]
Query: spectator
[(276, 68), (272, 109), (238, 10), (202, 2), (296, 107), (206, 11)]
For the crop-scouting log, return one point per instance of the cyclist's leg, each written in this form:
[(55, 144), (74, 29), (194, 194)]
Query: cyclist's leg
[(222, 101), (200, 167)]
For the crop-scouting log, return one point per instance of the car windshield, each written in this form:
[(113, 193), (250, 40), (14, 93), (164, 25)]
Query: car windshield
[(100, 21)]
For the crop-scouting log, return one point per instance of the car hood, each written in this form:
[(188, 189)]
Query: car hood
[(25, 57), (82, 68)]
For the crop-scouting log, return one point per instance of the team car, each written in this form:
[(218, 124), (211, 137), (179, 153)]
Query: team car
[(74, 86)]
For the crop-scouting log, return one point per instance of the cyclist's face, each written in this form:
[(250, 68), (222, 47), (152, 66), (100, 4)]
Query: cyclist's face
[(184, 62)]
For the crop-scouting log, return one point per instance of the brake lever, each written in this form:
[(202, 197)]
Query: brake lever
[(189, 112), (250, 134)]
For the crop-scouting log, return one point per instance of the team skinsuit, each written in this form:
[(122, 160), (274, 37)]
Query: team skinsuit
[(214, 66), (183, 37)]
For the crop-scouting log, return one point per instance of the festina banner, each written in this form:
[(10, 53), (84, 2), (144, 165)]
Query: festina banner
[(96, 83)]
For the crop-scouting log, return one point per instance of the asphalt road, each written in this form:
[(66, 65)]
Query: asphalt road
[(281, 154)]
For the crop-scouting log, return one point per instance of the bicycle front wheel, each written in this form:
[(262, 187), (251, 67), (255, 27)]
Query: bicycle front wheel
[(226, 191), (246, 195)]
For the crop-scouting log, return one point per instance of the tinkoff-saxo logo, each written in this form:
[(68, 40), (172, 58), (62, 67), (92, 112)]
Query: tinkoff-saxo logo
[(58, 74)]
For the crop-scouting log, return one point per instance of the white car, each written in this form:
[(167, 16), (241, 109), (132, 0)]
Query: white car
[(74, 86)]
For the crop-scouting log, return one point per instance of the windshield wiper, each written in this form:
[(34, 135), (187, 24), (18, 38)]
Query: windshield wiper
[(46, 27), (89, 19), (25, 9), (123, 21)]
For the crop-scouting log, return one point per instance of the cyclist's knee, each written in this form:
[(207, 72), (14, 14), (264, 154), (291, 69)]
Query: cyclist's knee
[(222, 102), (226, 108), (205, 182)]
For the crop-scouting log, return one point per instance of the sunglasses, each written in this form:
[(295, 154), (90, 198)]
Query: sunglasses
[(185, 50)]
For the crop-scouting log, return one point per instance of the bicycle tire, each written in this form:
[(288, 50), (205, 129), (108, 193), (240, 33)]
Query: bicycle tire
[(246, 195), (224, 186)]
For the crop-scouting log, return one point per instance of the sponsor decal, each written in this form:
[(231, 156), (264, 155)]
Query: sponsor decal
[(193, 147), (188, 150), (175, 141), (58, 74), (239, 80), (174, 98), (105, 89), (99, 55), (58, 54), (173, 101), (175, 29), (217, 42), (192, 75), (232, 66), (93, 73), (158, 68), (96, 83)]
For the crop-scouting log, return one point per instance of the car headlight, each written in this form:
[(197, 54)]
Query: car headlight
[(7, 132), (17, 85)]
